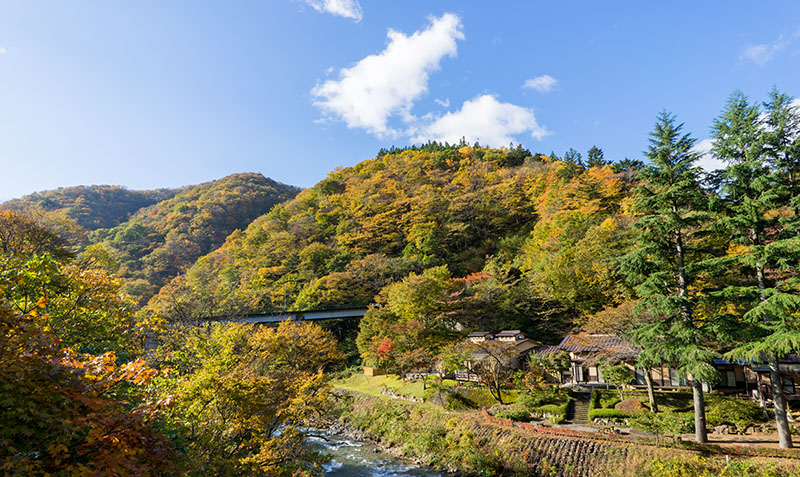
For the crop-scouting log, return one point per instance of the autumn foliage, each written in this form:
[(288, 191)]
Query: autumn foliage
[(71, 414)]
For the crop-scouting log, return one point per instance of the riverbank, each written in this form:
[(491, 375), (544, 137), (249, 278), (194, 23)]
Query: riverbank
[(473, 443), (353, 454)]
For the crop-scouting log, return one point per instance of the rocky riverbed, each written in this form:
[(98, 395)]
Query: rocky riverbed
[(354, 454)]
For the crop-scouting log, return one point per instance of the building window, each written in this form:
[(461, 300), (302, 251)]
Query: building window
[(593, 374), (788, 384), (675, 379), (639, 376), (729, 378)]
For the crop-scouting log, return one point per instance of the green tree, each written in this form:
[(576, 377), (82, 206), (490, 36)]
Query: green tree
[(765, 253), (81, 304), (240, 396), (782, 148), (595, 157), (667, 262), (617, 374)]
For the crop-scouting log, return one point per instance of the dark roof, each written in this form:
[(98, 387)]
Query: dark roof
[(542, 350), (788, 359), (509, 333), (600, 344), (479, 334)]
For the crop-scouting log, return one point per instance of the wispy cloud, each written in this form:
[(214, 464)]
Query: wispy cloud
[(762, 53), (343, 8), (483, 119), (386, 85), (443, 103), (542, 84), (3, 51)]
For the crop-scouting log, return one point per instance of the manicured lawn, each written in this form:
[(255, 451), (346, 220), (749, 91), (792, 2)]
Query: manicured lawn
[(373, 385)]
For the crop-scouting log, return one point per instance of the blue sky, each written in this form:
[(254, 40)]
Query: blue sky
[(161, 94)]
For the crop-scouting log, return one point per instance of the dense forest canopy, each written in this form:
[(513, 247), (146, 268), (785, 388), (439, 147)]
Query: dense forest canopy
[(91, 207), (543, 232), (160, 241), (148, 237)]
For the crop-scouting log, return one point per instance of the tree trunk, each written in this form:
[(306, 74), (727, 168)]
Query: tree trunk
[(700, 434), (778, 396), (650, 393), (499, 391)]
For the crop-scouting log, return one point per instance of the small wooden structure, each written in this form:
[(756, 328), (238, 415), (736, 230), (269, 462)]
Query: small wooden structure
[(370, 371)]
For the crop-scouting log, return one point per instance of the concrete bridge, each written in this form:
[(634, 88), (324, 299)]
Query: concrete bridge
[(332, 314)]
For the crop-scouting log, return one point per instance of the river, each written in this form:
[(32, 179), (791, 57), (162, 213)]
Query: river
[(353, 458)]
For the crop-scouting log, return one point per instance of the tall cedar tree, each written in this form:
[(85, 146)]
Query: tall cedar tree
[(782, 141), (754, 197), (666, 263)]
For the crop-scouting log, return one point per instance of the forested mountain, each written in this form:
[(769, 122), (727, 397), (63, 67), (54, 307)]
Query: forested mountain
[(91, 207), (533, 237), (160, 241)]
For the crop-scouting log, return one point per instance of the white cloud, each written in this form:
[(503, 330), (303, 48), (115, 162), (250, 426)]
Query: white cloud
[(542, 84), (3, 51), (444, 104), (761, 54), (483, 119), (342, 8), (386, 85), (708, 162)]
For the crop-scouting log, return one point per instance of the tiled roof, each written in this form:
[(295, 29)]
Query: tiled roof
[(542, 350), (526, 345), (601, 344), (479, 334), (509, 333)]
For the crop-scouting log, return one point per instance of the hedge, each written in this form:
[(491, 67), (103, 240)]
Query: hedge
[(607, 414)]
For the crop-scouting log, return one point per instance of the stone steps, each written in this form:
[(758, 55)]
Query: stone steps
[(579, 411)]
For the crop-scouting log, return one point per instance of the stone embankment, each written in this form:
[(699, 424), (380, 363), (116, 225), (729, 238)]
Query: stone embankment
[(473, 442)]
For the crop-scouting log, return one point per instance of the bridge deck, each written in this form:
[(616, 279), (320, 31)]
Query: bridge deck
[(303, 315)]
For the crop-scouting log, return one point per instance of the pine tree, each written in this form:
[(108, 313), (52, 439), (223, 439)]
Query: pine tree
[(753, 196), (782, 147), (595, 157), (666, 263)]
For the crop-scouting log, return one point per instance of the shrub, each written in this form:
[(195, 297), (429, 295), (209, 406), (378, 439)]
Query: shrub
[(712, 467), (542, 396), (664, 423), (555, 409), (735, 412), (515, 414), (630, 406), (603, 400), (607, 414)]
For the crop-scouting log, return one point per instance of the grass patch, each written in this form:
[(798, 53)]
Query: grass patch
[(373, 385), (474, 396)]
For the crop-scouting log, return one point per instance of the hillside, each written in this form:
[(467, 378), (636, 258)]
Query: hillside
[(160, 241), (91, 207), (537, 234)]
